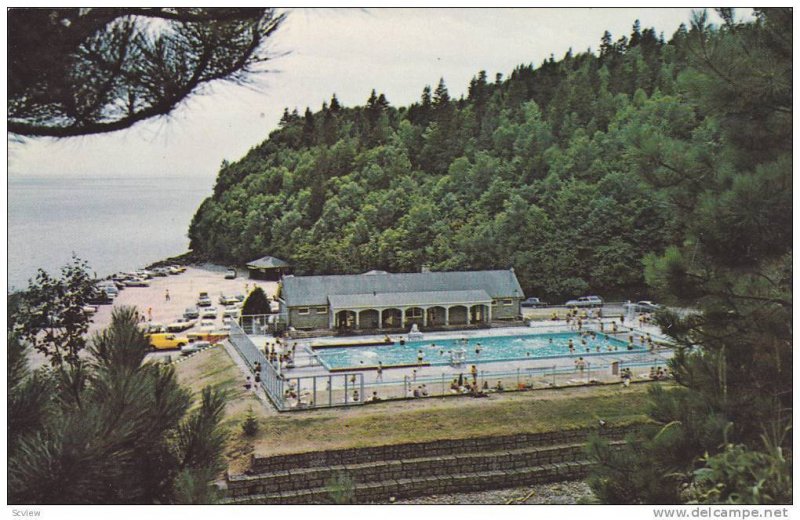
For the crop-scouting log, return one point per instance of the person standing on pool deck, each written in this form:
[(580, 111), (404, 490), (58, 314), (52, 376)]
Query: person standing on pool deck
[(166, 295), (379, 375), (474, 371)]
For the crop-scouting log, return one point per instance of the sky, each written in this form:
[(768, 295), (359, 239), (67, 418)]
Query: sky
[(322, 51)]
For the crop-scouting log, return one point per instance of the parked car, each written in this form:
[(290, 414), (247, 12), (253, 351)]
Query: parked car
[(203, 300), (136, 282), (180, 325), (100, 297), (213, 336), (194, 346), (533, 302), (230, 313), (585, 301), (112, 291), (209, 312), (191, 313), (230, 274), (641, 306), (152, 327), (161, 341), (160, 271), (176, 269), (239, 297), (144, 273), (227, 300)]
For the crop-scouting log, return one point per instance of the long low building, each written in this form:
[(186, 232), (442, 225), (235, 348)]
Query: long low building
[(389, 301)]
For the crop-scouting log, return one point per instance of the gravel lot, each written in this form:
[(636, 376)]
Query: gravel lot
[(571, 492), (183, 289)]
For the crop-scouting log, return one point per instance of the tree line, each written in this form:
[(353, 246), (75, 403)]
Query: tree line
[(659, 167), (547, 171)]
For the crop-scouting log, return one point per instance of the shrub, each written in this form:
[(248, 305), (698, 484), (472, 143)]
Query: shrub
[(341, 489), (250, 423), (256, 303)]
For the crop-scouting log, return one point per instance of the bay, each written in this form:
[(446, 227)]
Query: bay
[(116, 224)]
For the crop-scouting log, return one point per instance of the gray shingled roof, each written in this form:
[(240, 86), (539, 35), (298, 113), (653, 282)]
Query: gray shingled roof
[(315, 290), (370, 300), (267, 262)]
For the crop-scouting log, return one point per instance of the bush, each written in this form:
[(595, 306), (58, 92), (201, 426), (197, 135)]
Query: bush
[(250, 423), (341, 489), (256, 303)]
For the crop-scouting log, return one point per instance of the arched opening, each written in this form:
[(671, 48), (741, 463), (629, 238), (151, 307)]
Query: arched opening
[(414, 315), (345, 320), (436, 317), (458, 315), (369, 319), (390, 319), (478, 314)]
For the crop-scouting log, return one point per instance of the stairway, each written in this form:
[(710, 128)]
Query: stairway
[(417, 469)]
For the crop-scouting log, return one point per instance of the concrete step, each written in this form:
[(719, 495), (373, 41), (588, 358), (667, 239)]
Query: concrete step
[(381, 491)]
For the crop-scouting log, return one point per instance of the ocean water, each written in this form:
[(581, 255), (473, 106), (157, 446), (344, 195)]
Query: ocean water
[(115, 224)]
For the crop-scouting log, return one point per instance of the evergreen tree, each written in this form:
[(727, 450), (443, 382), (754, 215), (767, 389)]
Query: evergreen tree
[(122, 434), (256, 303), (733, 402)]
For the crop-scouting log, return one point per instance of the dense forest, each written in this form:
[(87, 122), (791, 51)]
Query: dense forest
[(577, 172)]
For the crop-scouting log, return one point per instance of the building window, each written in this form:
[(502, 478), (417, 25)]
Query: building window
[(322, 310), (414, 313), (508, 302), (302, 310)]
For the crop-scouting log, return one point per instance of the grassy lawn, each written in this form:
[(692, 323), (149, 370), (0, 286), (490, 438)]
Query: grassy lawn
[(215, 367), (403, 421), (430, 419)]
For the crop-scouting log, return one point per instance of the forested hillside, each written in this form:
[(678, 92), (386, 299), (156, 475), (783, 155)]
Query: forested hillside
[(575, 171)]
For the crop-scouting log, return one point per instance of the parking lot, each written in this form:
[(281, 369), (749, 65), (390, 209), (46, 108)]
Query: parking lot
[(184, 290)]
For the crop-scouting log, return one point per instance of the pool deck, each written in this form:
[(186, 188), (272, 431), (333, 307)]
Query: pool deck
[(307, 364)]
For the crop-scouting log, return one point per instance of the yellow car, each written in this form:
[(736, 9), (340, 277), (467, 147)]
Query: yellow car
[(166, 341)]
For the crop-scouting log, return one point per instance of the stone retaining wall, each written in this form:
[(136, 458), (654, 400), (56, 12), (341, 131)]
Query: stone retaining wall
[(381, 492), (425, 449), (424, 468), (448, 465)]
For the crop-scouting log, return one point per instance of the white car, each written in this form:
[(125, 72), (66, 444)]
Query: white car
[(585, 301), (227, 300), (180, 325), (230, 313), (136, 282), (194, 346), (642, 306), (209, 312)]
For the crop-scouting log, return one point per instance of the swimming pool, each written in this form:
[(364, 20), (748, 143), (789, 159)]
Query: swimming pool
[(491, 349)]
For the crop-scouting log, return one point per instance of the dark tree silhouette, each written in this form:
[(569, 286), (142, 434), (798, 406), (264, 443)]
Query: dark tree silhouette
[(81, 71)]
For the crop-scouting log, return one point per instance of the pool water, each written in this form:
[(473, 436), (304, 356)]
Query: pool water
[(497, 348)]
